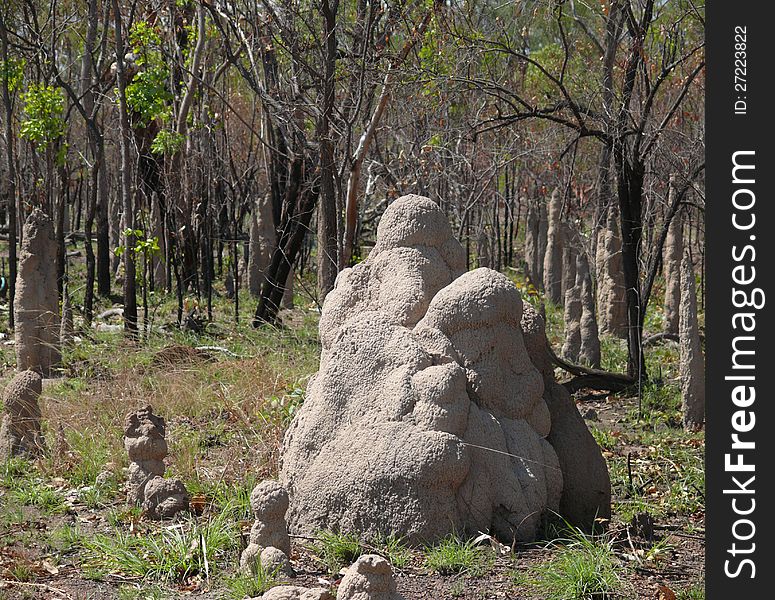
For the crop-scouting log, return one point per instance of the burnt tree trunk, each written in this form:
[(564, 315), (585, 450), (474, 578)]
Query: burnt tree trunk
[(630, 192), (299, 204), (328, 235)]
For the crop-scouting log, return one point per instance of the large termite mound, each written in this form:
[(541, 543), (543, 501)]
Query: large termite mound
[(427, 415)]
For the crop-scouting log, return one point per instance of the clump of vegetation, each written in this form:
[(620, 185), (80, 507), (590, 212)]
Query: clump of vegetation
[(243, 585), (395, 550), (33, 492), (582, 567), (337, 550), (604, 438), (454, 555), (171, 554), (693, 592)]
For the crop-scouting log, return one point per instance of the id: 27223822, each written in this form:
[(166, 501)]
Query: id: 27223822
[(741, 72)]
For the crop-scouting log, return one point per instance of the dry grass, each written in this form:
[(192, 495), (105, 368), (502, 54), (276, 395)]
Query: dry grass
[(225, 416)]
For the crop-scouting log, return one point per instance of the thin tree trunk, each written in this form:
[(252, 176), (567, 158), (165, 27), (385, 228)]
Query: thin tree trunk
[(130, 293), (353, 182), (11, 168), (300, 204), (328, 221), (630, 190)]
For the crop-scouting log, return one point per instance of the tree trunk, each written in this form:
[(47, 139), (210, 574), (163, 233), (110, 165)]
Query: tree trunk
[(671, 267), (630, 192), (353, 182), (104, 253), (328, 221), (11, 169), (130, 293), (299, 202)]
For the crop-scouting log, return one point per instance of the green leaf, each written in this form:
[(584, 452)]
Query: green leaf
[(43, 110)]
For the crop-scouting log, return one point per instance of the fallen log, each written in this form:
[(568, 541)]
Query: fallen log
[(659, 337), (593, 379)]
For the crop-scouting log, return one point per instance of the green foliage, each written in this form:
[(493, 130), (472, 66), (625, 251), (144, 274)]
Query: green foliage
[(605, 439), (13, 470), (13, 69), (666, 478), (583, 567), (436, 59), (231, 499), (43, 110), (65, 538), (551, 59), (661, 404), (148, 95), (337, 550), (457, 589), (146, 247), (693, 592), (395, 550), (99, 495), (91, 452), (167, 142), (283, 408), (144, 38), (22, 571), (453, 555), (613, 354)]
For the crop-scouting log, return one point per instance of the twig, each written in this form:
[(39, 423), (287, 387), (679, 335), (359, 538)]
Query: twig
[(48, 588)]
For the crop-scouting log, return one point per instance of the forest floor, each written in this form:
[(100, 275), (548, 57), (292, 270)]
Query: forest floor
[(65, 531)]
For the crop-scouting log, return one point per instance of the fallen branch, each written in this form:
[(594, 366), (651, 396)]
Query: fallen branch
[(660, 337), (594, 379)]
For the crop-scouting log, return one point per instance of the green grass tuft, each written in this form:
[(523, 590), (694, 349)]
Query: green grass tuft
[(453, 555), (693, 592), (171, 554), (244, 585), (582, 567), (34, 493), (337, 550), (395, 550)]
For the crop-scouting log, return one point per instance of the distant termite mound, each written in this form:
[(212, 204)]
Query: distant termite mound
[(20, 432), (144, 441), (36, 306)]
